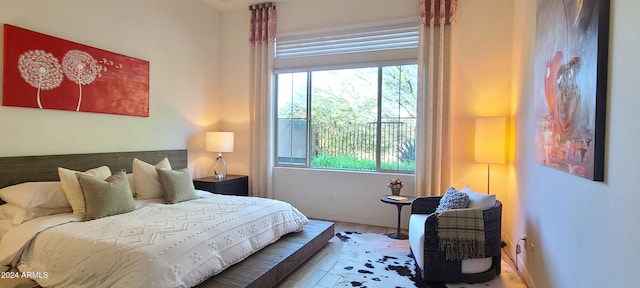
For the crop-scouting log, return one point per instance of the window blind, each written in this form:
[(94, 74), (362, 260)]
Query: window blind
[(349, 47)]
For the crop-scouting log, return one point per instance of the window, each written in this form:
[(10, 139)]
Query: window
[(356, 119), (346, 98)]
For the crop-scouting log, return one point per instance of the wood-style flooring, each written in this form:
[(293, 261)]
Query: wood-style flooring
[(314, 272)]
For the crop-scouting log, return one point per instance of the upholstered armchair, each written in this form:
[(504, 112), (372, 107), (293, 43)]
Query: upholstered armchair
[(432, 264)]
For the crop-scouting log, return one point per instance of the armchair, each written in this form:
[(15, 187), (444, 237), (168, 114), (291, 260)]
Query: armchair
[(432, 264)]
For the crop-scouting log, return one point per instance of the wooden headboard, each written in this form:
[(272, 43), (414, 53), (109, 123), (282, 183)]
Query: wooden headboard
[(14, 170)]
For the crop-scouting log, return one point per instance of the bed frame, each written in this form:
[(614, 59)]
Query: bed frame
[(264, 268)]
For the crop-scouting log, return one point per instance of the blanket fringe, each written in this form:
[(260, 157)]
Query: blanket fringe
[(460, 249)]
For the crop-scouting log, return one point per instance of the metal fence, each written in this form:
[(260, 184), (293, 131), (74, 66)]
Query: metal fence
[(359, 140)]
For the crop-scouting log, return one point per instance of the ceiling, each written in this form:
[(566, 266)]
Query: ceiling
[(231, 5)]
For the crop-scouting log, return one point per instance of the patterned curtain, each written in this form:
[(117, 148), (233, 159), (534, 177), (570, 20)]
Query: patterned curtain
[(263, 32), (432, 149)]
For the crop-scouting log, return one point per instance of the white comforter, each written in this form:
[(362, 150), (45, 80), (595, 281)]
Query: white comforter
[(158, 245)]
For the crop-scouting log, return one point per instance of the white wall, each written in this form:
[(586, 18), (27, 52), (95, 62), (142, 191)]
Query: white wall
[(353, 197), (481, 74), (179, 39), (585, 233), (235, 87), (321, 194), (481, 87)]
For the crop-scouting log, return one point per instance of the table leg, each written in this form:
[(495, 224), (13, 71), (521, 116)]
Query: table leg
[(398, 234)]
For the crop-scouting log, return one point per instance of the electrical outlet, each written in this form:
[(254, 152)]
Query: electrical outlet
[(518, 247)]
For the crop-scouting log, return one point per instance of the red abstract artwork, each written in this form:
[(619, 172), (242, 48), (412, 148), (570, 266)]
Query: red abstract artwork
[(46, 72), (571, 74)]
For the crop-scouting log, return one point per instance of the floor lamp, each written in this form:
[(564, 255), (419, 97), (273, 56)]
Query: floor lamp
[(219, 142), (490, 143)]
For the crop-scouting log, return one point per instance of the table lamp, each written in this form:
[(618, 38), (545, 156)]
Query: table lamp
[(219, 142)]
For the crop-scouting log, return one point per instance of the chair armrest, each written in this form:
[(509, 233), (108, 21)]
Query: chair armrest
[(425, 205)]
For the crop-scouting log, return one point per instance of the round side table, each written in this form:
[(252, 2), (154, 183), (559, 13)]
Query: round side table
[(399, 202)]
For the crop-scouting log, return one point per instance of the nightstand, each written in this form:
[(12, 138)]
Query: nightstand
[(230, 185)]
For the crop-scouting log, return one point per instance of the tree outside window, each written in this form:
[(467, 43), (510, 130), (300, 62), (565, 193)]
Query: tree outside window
[(360, 119)]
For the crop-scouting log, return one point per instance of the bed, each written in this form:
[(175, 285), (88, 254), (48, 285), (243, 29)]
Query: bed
[(211, 241)]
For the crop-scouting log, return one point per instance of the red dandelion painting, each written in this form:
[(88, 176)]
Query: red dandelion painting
[(46, 72)]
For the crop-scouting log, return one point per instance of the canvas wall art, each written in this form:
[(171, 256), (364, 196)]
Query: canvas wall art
[(570, 85), (46, 72)]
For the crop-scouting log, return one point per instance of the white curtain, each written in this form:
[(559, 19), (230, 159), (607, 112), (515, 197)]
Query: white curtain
[(432, 137), (263, 31)]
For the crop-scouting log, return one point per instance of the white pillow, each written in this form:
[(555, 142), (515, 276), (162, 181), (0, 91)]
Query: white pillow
[(131, 185), (478, 200), (146, 179), (71, 186), (20, 215), (46, 194)]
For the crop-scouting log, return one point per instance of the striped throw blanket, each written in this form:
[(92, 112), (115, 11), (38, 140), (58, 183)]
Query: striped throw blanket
[(461, 233)]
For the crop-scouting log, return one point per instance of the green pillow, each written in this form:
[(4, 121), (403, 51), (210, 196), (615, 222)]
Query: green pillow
[(177, 185), (106, 197)]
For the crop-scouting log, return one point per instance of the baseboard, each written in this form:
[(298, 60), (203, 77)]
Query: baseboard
[(524, 274), (509, 249), (522, 269), (390, 222)]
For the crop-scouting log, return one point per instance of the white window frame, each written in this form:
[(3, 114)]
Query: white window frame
[(348, 47)]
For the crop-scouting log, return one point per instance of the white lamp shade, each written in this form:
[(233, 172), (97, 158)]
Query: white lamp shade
[(219, 141), (490, 141)]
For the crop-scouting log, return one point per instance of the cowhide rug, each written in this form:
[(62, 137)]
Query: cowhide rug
[(375, 260)]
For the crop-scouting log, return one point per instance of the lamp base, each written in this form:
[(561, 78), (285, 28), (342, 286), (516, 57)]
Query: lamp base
[(216, 173)]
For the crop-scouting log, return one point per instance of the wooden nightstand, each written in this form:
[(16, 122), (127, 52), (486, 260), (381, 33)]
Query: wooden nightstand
[(230, 185)]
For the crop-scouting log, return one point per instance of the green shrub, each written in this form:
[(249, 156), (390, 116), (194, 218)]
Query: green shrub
[(353, 163)]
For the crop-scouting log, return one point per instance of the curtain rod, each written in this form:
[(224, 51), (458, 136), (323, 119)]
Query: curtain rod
[(261, 5)]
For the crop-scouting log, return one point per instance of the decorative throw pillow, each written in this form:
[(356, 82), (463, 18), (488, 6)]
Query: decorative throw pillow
[(106, 197), (478, 200), (177, 185), (19, 215), (453, 199), (46, 194), (145, 177), (71, 187)]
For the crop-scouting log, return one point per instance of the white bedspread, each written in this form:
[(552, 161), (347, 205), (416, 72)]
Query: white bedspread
[(5, 225), (158, 245)]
